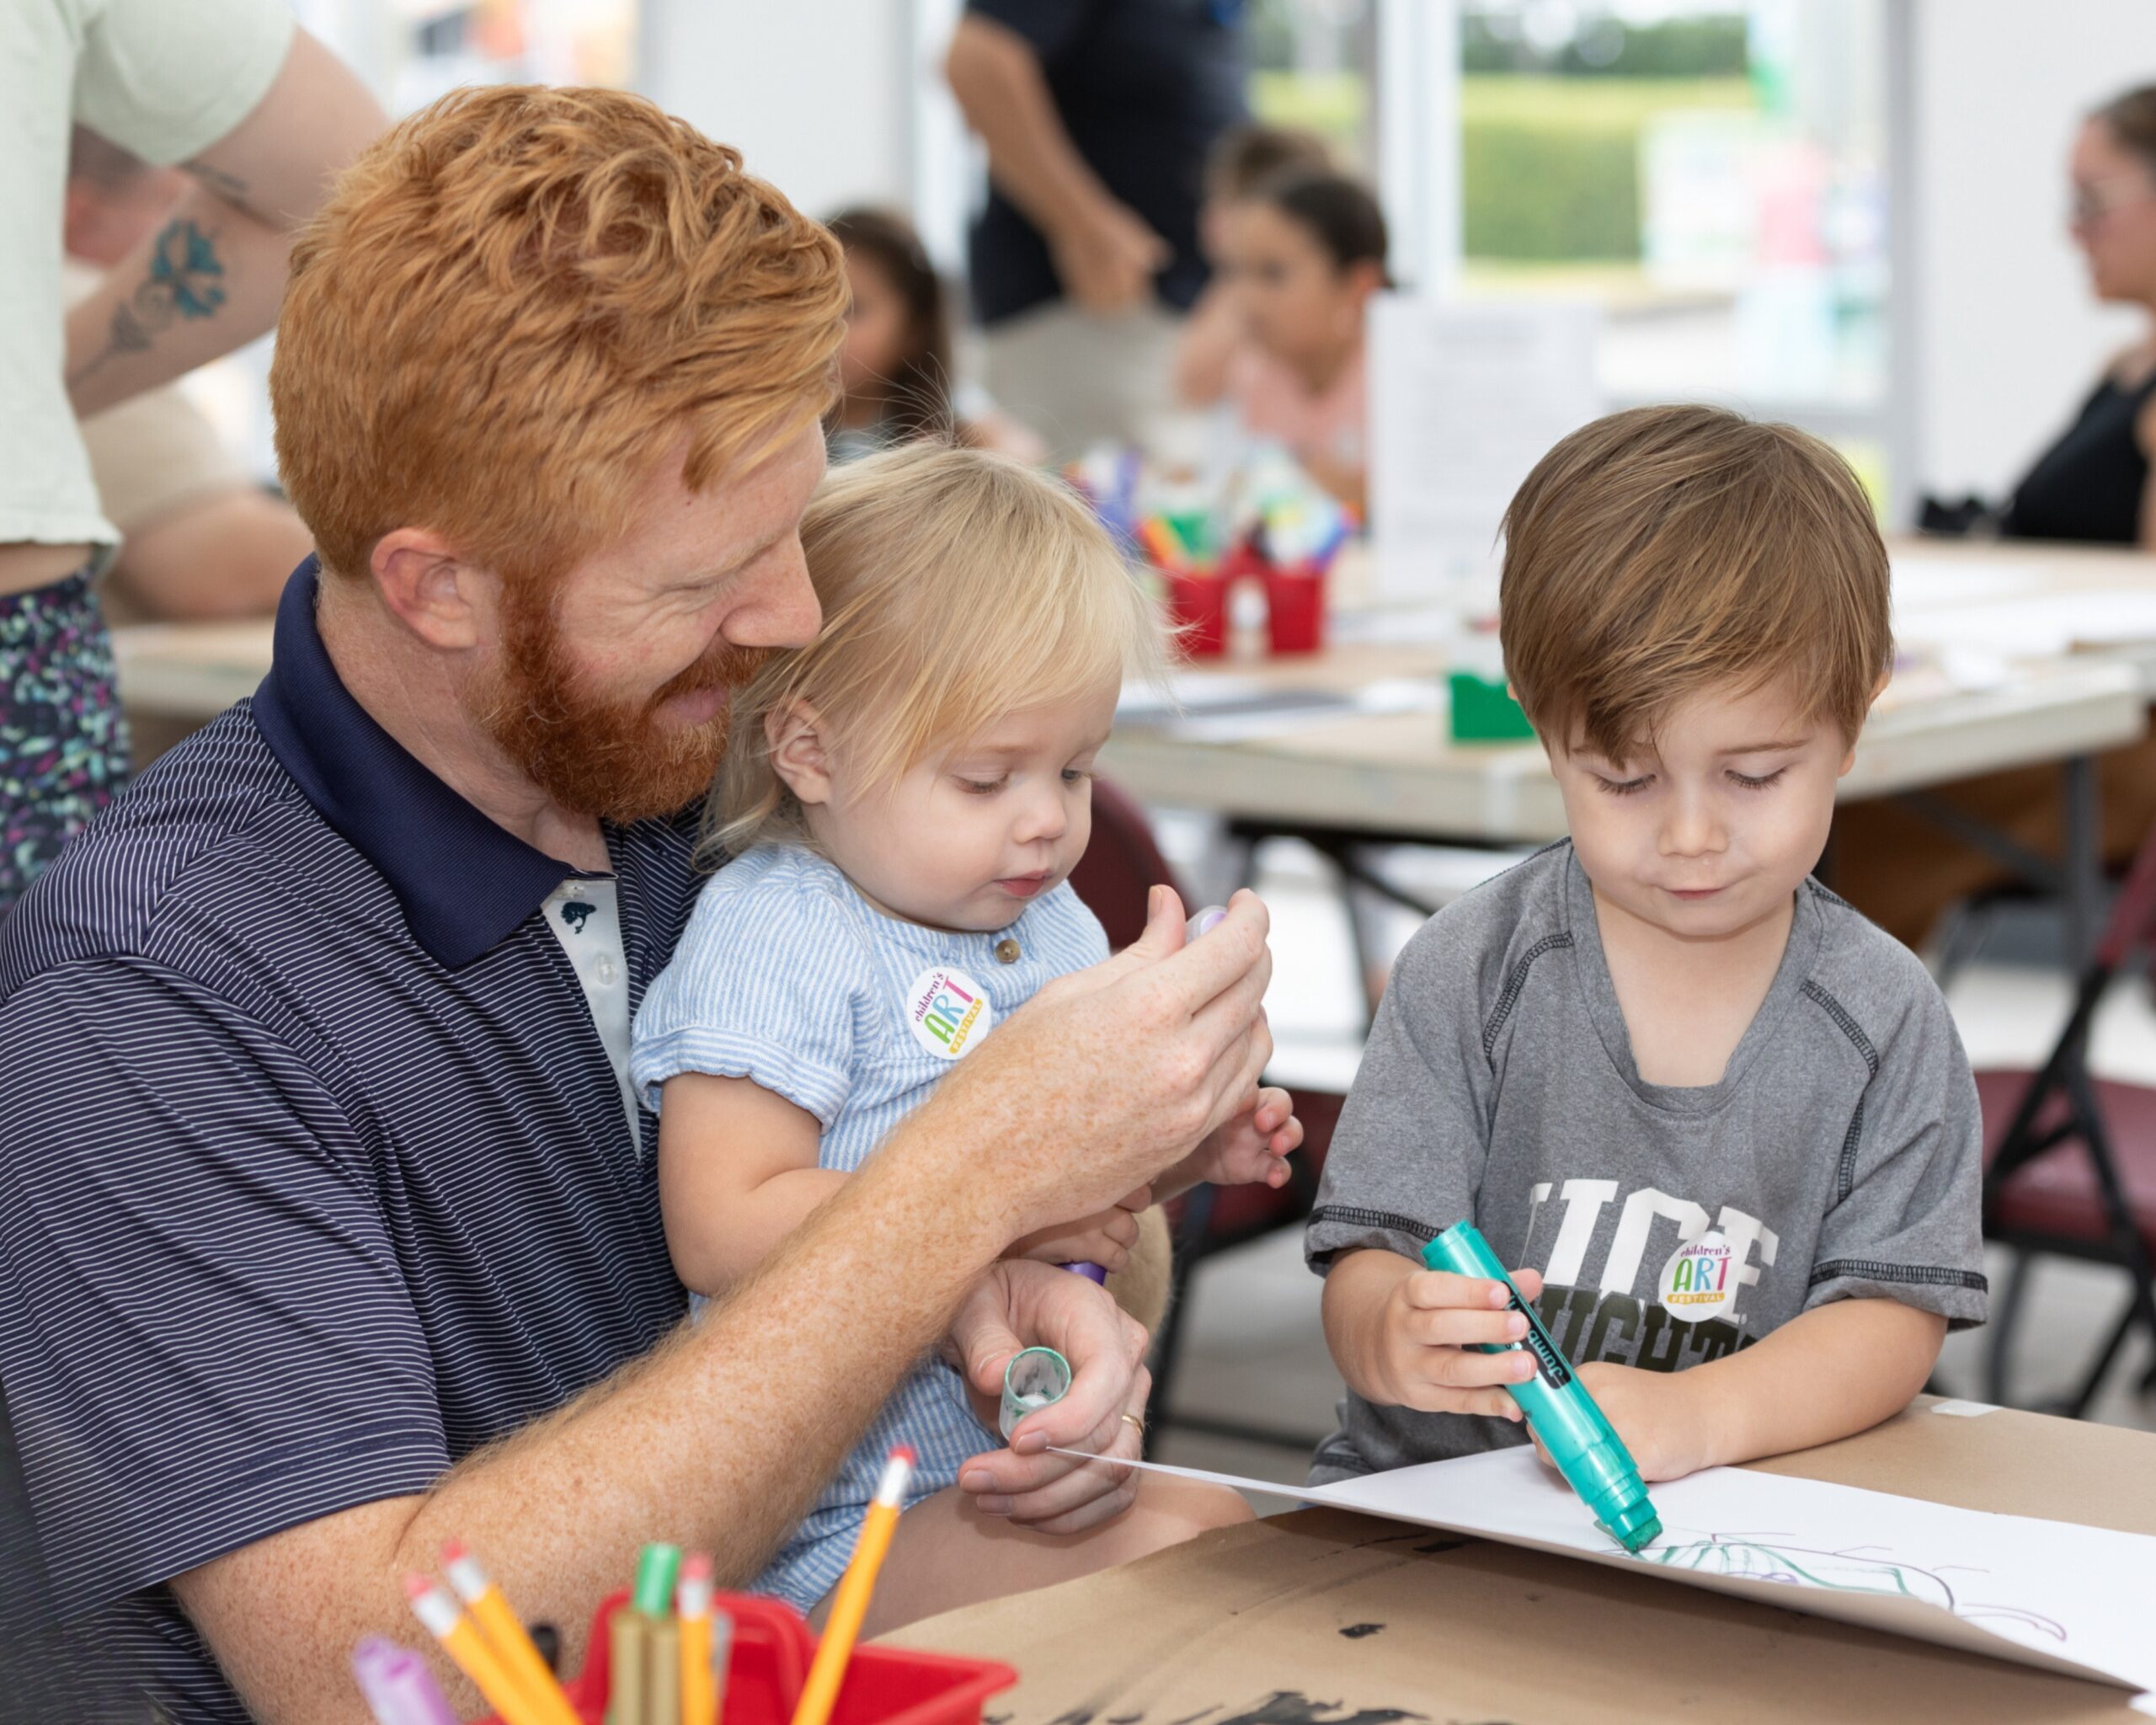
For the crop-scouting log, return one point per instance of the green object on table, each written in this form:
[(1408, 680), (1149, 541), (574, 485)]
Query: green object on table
[(1485, 712), (1195, 527), (657, 1570)]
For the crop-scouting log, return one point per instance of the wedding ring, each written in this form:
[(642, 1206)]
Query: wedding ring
[(1133, 1419)]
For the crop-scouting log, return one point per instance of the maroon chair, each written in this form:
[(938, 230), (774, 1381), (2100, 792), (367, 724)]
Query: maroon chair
[(2070, 1158), (1121, 865)]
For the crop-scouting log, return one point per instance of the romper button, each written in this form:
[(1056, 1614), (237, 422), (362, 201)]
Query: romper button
[(1008, 950)]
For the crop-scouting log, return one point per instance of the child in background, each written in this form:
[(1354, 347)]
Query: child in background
[(906, 797), (895, 379), (1723, 1124), (1303, 255), (1244, 158)]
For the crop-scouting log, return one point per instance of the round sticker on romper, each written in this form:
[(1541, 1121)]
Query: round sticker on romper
[(1700, 1280), (948, 1011)]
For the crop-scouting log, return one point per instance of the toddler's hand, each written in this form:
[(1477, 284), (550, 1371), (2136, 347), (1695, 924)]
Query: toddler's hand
[(1105, 1239), (1653, 1415), (1251, 1148), (1429, 1330)]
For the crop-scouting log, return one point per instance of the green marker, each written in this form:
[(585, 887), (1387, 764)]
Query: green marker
[(657, 1570), (1576, 1433)]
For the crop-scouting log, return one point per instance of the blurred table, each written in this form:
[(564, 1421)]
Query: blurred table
[(2023, 654)]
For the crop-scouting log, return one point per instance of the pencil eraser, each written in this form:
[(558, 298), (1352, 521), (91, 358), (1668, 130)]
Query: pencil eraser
[(696, 1567), (417, 1586), (453, 1552), (905, 1453)]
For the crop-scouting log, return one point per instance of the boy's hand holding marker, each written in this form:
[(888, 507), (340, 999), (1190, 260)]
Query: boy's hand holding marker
[(1661, 1416), (1411, 1340)]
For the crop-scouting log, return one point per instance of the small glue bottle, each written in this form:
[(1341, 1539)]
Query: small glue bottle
[(1576, 1433)]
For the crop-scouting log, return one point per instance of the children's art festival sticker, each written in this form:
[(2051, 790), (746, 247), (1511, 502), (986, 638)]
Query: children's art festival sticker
[(948, 1011), (1700, 1280)]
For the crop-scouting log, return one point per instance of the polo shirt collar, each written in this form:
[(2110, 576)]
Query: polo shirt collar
[(464, 882)]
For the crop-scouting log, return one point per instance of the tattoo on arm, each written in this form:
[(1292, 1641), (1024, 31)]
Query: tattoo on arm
[(185, 280)]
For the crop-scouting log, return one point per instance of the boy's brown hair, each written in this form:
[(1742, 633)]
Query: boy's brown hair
[(1663, 550)]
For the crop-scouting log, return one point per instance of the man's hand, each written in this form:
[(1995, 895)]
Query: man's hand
[(1654, 1413), (1251, 1149), (1020, 1304), (1110, 1075), (1106, 257), (1107, 1238)]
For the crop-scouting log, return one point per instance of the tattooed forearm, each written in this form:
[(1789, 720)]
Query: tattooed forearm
[(185, 279)]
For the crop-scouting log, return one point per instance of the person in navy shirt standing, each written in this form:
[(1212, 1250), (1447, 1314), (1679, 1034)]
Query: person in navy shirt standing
[(328, 1215)]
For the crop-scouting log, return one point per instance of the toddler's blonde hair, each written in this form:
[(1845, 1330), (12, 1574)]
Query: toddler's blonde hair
[(957, 587)]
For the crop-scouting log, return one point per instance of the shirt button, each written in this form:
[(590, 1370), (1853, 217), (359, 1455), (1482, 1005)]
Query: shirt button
[(574, 888), (1008, 951), (606, 969)]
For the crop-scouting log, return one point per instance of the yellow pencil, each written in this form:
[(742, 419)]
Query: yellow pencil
[(699, 1700), (491, 1611), (461, 1640), (849, 1603)]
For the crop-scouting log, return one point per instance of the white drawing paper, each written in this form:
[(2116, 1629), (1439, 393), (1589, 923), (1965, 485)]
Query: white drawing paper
[(2054, 1595)]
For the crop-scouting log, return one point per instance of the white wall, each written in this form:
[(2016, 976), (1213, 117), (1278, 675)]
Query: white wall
[(812, 92), (2008, 338)]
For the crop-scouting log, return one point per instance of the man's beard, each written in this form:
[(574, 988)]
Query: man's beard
[(610, 759)]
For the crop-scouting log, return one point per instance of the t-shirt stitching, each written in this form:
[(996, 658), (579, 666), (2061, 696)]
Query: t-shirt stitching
[(1845, 1173), (1870, 1269), (1515, 981), (1349, 1215)]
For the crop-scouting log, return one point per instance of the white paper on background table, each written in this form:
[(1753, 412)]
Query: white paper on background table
[(2054, 1595), (1464, 398)]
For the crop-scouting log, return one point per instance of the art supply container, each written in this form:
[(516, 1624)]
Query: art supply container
[(1197, 610), (1294, 600), (1572, 1428), (1483, 710), (1034, 1378), (769, 1662)]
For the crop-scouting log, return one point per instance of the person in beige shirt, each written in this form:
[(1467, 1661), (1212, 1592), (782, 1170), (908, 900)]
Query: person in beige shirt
[(201, 538)]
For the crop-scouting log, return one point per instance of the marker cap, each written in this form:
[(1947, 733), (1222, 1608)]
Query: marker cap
[(657, 1570)]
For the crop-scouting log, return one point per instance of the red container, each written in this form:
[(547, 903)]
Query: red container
[(1294, 602), (772, 1649), (1198, 607)]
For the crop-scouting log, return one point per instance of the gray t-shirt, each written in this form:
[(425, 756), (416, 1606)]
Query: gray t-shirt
[(1839, 1157)]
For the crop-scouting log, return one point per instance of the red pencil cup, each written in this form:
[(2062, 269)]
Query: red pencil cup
[(1198, 606), (1295, 604), (772, 1653)]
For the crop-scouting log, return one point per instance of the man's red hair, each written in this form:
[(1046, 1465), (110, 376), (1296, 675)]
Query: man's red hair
[(516, 301)]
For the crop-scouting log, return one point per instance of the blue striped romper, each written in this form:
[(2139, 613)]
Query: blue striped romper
[(786, 976)]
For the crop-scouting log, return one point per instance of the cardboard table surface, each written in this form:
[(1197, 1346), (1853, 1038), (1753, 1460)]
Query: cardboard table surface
[(1326, 1618)]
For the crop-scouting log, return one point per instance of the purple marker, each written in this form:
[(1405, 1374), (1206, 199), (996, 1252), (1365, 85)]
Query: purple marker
[(1204, 922), (395, 1682)]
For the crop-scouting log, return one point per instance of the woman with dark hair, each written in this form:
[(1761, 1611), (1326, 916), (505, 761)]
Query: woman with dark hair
[(2093, 484), (895, 370), (1302, 254)]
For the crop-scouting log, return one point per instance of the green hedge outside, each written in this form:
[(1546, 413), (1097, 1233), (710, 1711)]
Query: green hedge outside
[(1549, 166), (1530, 193)]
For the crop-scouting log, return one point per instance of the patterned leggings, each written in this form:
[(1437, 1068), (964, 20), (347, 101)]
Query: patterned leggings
[(63, 743)]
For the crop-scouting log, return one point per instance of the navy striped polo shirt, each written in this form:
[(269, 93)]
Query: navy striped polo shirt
[(315, 1175)]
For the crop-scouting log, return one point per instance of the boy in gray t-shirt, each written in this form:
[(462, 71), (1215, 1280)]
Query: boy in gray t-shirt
[(1726, 1120)]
